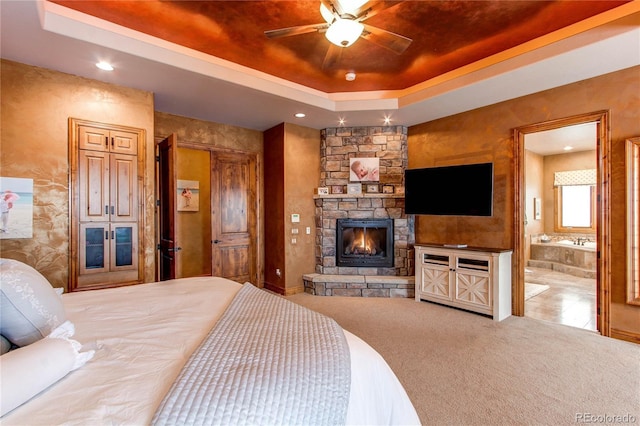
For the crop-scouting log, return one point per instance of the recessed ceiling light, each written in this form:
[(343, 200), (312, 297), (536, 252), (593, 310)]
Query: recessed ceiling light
[(568, 148), (350, 76), (387, 120), (300, 115), (341, 121), (106, 66)]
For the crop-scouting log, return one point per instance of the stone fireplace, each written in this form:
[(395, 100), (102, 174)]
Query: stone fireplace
[(386, 201)]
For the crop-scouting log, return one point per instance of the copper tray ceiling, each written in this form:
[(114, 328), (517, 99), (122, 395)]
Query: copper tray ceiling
[(446, 35)]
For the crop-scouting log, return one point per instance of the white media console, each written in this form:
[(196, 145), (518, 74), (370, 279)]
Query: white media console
[(474, 279)]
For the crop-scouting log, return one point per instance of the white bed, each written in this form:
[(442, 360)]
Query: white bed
[(143, 335)]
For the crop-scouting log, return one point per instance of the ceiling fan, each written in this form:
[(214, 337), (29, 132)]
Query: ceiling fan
[(344, 25)]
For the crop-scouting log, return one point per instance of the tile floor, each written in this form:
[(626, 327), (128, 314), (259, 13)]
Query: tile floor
[(569, 300)]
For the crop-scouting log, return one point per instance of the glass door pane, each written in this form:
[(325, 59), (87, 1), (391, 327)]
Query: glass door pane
[(124, 246), (94, 241)]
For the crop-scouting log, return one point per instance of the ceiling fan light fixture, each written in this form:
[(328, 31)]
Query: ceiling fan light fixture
[(344, 32)]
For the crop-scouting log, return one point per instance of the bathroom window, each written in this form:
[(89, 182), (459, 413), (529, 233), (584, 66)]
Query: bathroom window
[(575, 206)]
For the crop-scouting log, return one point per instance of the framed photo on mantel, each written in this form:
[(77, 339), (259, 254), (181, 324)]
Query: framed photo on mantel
[(373, 188), (354, 188)]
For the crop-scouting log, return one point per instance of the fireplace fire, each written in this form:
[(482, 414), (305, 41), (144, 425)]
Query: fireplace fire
[(364, 242)]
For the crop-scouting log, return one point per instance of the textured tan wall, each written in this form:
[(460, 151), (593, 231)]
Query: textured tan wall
[(466, 139), (486, 133), (35, 107), (301, 176), (558, 163), (534, 171), (208, 133)]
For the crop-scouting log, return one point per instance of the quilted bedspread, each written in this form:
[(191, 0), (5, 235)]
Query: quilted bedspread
[(266, 361)]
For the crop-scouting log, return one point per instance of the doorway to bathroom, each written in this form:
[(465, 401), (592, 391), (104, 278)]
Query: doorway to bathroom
[(559, 273), (560, 244)]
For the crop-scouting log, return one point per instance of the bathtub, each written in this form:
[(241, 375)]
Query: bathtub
[(565, 256)]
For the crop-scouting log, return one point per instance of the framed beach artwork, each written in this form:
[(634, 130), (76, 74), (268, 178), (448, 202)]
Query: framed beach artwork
[(16, 208), (188, 195), (364, 169)]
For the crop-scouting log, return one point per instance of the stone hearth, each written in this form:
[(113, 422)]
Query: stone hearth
[(359, 285)]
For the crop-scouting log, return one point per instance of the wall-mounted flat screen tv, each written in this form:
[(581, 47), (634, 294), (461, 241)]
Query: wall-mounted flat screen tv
[(462, 190)]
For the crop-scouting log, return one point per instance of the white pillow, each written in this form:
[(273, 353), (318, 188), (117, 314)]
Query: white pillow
[(30, 308), (29, 370)]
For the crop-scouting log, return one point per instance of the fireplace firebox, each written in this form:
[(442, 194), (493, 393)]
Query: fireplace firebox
[(364, 242)]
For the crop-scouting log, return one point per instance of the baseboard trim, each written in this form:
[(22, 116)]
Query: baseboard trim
[(629, 336), (284, 291)]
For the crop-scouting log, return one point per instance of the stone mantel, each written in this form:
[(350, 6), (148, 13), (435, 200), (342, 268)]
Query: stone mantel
[(363, 195)]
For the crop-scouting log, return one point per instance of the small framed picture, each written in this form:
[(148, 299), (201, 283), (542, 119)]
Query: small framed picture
[(323, 190), (372, 188), (387, 189), (354, 188), (337, 189), (537, 208), (188, 198)]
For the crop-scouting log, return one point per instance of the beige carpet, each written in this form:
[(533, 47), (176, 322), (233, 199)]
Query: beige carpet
[(461, 368), (531, 290)]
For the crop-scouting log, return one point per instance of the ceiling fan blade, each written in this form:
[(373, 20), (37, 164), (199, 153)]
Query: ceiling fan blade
[(333, 55), (292, 31), (333, 6), (372, 8), (383, 38)]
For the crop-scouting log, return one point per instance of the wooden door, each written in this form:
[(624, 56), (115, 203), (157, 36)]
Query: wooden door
[(93, 256), (234, 216), (167, 151), (123, 142), (123, 177), (123, 247), (93, 138), (93, 186)]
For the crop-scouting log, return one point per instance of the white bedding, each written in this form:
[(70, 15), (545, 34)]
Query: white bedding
[(144, 334)]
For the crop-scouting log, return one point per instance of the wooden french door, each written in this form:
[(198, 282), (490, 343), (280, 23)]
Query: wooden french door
[(167, 151), (234, 216)]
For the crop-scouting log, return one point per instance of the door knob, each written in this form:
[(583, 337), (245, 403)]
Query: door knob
[(216, 241), (174, 249)]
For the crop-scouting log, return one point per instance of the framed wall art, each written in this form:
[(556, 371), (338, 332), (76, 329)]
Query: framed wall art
[(364, 169), (188, 199), (16, 208), (537, 208)]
